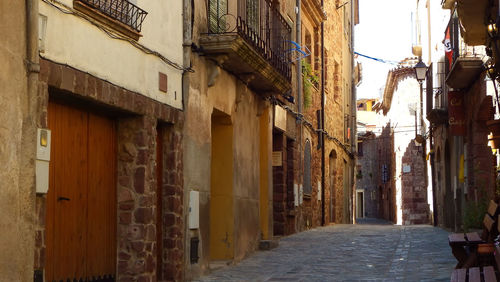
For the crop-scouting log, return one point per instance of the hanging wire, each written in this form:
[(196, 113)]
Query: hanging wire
[(70, 11), (377, 59)]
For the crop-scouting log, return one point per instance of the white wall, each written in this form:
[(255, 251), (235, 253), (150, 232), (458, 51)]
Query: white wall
[(76, 42)]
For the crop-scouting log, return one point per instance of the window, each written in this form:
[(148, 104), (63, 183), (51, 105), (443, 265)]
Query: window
[(317, 55), (308, 46), (252, 13), (216, 11), (325, 69), (307, 168), (360, 149)]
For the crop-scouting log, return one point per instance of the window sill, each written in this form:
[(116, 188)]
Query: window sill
[(106, 20)]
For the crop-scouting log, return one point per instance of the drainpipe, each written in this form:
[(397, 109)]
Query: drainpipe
[(192, 239), (298, 39), (353, 113), (29, 111), (322, 134)]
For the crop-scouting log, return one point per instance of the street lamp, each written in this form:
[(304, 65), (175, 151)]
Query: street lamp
[(420, 73)]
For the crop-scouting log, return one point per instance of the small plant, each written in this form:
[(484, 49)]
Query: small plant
[(473, 214), (309, 80), (359, 175)]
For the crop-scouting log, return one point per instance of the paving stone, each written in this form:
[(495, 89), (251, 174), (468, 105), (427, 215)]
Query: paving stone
[(372, 251)]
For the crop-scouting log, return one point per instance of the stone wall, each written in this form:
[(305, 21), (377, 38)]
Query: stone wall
[(414, 187), (137, 119), (335, 111), (367, 174), (387, 187), (17, 151)]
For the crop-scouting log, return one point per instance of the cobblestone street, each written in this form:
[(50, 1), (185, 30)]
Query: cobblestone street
[(362, 252)]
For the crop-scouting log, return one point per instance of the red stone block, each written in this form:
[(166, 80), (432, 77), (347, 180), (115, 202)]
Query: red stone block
[(143, 215), (139, 177), (80, 83), (55, 75), (123, 256), (125, 218)]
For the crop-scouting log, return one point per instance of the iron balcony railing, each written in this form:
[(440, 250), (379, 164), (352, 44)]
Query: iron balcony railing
[(259, 23), (121, 10), (459, 48)]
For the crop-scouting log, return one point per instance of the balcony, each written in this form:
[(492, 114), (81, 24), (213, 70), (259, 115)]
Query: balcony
[(436, 110), (473, 14), (251, 40), (121, 15), (467, 61)]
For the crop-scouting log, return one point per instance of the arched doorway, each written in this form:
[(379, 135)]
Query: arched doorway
[(221, 190), (332, 167), (449, 204)]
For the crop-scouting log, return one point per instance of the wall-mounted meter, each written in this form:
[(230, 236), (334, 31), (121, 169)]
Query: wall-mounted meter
[(42, 160)]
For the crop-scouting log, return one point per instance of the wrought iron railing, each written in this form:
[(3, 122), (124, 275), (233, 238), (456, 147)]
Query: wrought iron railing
[(121, 10), (458, 46), (260, 24)]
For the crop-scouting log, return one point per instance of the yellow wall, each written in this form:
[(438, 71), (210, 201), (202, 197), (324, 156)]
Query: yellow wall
[(76, 42), (221, 192), (369, 106)]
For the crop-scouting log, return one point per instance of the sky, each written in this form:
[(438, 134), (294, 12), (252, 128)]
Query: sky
[(384, 32)]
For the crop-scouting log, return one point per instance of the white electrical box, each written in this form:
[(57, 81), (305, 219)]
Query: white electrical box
[(43, 144), (42, 160), (42, 176), (301, 194), (296, 194), (194, 210)]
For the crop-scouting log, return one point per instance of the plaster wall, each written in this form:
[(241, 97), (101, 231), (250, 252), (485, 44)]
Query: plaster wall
[(17, 175), (76, 42), (232, 98)]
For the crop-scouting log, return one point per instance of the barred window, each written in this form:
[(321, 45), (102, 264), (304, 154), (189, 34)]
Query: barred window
[(252, 13), (307, 168)]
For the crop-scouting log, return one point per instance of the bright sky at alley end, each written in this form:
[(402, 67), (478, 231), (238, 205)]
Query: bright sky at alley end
[(384, 32)]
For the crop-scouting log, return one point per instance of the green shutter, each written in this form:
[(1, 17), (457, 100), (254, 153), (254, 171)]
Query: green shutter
[(252, 14), (216, 21)]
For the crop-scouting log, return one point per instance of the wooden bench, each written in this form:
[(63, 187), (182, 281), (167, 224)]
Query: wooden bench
[(474, 274), (468, 247)]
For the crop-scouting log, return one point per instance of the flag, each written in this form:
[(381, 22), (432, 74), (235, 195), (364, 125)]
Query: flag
[(447, 47)]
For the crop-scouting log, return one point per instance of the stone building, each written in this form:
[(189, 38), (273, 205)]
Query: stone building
[(230, 127), (463, 165), (157, 141), (367, 164), (339, 110), (18, 79), (255, 144), (375, 164), (110, 92)]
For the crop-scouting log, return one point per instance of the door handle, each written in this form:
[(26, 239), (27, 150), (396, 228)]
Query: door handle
[(63, 199)]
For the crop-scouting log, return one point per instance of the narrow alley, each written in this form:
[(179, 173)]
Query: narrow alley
[(374, 251), (249, 140)]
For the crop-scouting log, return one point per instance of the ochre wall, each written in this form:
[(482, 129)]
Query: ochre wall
[(17, 175)]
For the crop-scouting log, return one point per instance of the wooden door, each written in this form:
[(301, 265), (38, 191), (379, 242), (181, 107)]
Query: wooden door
[(81, 202)]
